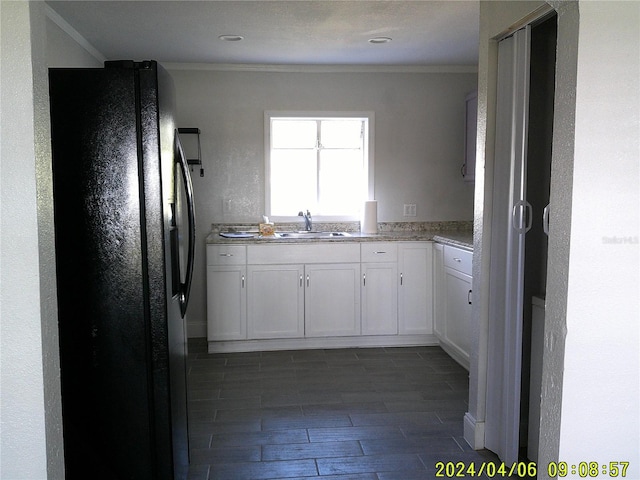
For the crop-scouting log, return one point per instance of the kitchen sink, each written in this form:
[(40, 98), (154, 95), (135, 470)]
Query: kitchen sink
[(312, 234)]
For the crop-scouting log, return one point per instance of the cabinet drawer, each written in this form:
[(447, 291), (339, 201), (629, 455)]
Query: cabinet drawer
[(226, 254), (379, 252), (458, 259)]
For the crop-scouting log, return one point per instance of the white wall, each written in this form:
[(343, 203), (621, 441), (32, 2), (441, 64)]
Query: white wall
[(591, 398), (601, 420), (63, 49), (31, 444), (419, 142), (30, 413), (599, 398)]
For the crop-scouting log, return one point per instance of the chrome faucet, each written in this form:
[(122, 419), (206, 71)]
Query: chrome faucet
[(307, 220)]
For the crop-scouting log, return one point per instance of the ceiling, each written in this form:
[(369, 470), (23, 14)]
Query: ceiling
[(277, 32)]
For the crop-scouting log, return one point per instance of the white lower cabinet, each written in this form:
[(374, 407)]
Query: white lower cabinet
[(379, 288), (303, 290), (415, 297), (275, 301), (318, 295), (453, 287), (438, 291), (458, 308), (226, 293), (332, 300)]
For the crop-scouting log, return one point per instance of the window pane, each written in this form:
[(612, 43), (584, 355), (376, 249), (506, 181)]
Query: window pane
[(341, 133), (341, 182), (293, 181), (293, 134), (329, 178)]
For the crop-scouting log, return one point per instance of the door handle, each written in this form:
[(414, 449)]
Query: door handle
[(185, 288), (469, 297), (522, 216)]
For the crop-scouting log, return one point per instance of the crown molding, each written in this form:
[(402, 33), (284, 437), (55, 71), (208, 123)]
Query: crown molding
[(73, 33), (244, 67)]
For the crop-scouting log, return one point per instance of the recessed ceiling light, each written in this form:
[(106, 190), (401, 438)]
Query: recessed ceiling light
[(378, 40), (231, 38)]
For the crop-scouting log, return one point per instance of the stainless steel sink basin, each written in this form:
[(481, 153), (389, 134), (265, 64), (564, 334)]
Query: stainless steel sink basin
[(312, 234)]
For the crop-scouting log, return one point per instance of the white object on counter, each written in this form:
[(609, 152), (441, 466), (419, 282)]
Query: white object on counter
[(369, 222)]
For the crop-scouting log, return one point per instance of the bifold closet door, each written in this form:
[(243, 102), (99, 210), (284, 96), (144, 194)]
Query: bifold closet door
[(510, 217)]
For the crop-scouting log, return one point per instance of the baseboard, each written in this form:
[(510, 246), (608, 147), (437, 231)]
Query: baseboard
[(322, 342), (456, 353), (473, 432)]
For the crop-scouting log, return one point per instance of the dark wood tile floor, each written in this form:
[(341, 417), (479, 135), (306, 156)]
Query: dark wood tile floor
[(346, 414)]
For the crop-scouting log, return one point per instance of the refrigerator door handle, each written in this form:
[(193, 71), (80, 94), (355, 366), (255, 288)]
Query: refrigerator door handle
[(185, 288)]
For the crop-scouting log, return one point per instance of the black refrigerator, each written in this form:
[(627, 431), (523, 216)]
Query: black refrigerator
[(124, 239)]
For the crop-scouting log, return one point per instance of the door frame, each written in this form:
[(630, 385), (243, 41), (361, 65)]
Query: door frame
[(497, 23)]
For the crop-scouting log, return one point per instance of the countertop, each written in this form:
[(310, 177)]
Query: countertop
[(456, 237)]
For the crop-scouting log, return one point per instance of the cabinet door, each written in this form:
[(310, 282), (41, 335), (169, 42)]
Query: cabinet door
[(275, 301), (226, 303), (379, 299), (458, 311), (332, 300), (438, 291), (416, 288)]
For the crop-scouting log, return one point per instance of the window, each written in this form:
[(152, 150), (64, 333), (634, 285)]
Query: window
[(320, 163)]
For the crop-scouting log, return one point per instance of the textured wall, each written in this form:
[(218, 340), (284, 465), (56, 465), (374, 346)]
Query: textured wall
[(31, 435), (600, 391), (591, 367), (24, 407), (419, 142)]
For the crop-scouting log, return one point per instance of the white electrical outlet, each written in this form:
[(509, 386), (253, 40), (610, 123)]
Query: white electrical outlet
[(409, 209)]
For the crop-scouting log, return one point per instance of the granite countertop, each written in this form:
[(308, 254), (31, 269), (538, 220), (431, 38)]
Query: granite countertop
[(458, 234), (455, 239)]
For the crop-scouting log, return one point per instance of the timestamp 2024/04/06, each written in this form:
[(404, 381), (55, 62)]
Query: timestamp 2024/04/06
[(584, 469)]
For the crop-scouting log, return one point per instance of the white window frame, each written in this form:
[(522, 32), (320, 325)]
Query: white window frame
[(316, 115)]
